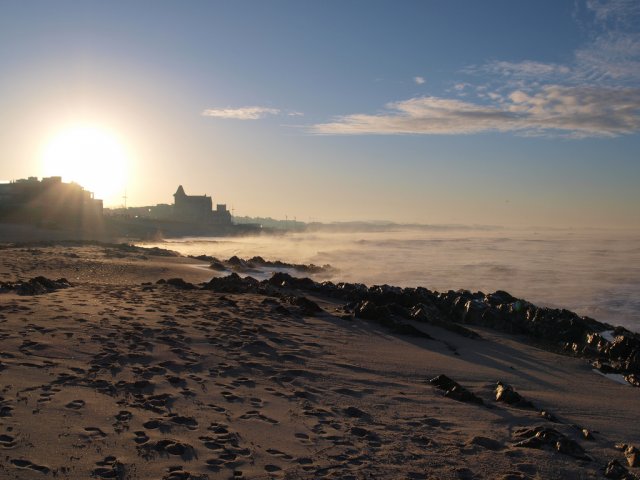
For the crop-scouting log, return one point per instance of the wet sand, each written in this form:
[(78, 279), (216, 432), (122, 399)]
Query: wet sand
[(120, 377)]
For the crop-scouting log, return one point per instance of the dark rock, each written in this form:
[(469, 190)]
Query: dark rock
[(633, 379), (35, 286), (180, 283), (454, 390), (368, 310), (615, 470), (443, 382), (463, 395), (548, 416), (309, 307), (506, 394), (232, 284), (217, 266), (544, 437), (632, 454)]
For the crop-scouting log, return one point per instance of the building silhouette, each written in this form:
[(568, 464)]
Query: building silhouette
[(192, 209), (48, 202)]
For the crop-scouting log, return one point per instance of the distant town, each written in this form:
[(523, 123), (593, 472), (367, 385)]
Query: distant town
[(54, 204)]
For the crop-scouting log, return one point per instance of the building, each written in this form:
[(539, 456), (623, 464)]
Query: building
[(198, 209), (48, 202), (188, 209)]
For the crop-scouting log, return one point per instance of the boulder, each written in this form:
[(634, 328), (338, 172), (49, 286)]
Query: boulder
[(549, 438), (506, 394)]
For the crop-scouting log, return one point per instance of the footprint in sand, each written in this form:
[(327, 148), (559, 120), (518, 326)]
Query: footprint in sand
[(141, 437), (26, 464), (109, 467), (75, 404), (230, 397), (216, 408), (278, 453), (272, 468), (259, 416), (95, 432), (7, 441)]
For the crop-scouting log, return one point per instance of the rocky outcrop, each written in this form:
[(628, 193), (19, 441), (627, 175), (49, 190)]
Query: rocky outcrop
[(35, 286), (454, 390), (550, 439), (397, 308), (232, 284), (506, 394)]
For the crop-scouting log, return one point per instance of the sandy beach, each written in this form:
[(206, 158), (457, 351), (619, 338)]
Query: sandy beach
[(118, 376)]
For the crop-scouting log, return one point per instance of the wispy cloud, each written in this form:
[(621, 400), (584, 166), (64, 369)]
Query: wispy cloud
[(568, 111), (419, 80), (242, 113), (595, 94), (519, 70), (616, 10)]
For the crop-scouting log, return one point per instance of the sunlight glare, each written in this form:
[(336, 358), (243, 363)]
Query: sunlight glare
[(90, 156)]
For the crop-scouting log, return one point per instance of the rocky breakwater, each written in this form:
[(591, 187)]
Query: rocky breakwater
[(610, 349)]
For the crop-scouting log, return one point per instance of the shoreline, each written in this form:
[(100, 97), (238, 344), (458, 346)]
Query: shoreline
[(232, 378)]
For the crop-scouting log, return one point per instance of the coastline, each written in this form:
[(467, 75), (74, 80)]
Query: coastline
[(130, 378)]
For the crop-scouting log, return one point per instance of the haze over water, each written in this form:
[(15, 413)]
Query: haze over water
[(592, 272)]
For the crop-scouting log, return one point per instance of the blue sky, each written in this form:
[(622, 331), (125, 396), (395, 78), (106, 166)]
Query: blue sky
[(495, 112)]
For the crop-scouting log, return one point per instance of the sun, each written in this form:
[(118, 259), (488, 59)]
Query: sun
[(91, 156)]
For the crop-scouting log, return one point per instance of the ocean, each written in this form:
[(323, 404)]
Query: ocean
[(592, 272)]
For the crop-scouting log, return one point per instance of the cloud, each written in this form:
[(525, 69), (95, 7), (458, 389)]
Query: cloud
[(242, 113), (520, 70), (616, 10), (419, 80), (595, 94), (576, 112)]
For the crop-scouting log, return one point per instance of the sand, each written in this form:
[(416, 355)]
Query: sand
[(120, 377)]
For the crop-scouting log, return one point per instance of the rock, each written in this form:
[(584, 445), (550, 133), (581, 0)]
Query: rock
[(309, 307), (548, 416), (454, 390), (217, 266), (443, 382), (587, 434), (506, 394), (615, 470), (180, 283), (232, 284), (633, 379), (35, 286), (544, 437), (370, 311), (632, 454), (463, 395)]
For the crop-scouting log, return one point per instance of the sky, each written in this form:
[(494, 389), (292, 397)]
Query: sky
[(450, 112)]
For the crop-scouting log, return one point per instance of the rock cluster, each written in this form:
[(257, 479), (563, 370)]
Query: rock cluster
[(237, 264), (549, 438), (396, 307), (34, 286)]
